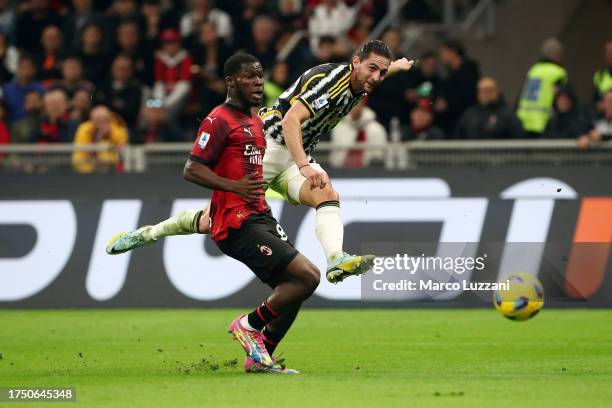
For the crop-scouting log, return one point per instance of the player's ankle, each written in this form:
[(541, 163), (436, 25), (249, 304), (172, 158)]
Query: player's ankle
[(335, 257), (153, 233), (244, 322)]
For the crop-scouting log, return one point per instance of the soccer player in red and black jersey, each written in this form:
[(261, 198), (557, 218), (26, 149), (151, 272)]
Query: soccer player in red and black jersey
[(227, 158)]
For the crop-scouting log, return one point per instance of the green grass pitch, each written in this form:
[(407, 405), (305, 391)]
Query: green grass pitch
[(348, 358)]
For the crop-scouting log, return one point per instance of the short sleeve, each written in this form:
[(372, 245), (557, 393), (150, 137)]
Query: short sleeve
[(314, 93), (210, 141)]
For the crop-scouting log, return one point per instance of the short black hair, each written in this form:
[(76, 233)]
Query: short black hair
[(456, 45), (374, 46), (234, 63)]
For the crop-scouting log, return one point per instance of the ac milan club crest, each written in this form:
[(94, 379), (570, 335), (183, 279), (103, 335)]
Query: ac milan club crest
[(266, 250)]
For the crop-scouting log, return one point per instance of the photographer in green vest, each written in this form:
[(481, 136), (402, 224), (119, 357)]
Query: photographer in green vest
[(536, 101), (602, 80)]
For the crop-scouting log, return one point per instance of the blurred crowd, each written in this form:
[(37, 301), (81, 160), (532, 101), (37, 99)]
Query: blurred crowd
[(127, 72), (446, 98)]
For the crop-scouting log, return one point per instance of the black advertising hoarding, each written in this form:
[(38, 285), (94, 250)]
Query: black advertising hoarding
[(554, 222)]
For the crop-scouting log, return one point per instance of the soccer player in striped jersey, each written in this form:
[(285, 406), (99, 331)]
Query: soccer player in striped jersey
[(309, 109)]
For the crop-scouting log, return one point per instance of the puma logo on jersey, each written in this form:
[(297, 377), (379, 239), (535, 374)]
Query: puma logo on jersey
[(248, 130)]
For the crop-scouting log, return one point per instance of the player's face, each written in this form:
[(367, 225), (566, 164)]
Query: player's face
[(249, 84), (369, 72)]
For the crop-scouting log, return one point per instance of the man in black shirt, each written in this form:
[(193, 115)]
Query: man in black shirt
[(490, 118), (459, 87)]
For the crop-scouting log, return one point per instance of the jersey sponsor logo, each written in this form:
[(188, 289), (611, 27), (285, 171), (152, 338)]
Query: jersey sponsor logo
[(203, 140), (254, 153), (252, 150), (320, 102), (248, 131), (265, 250)]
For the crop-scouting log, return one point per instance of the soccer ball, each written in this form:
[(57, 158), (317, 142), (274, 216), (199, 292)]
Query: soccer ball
[(523, 300)]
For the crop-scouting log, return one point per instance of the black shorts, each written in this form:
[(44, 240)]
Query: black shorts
[(261, 244)]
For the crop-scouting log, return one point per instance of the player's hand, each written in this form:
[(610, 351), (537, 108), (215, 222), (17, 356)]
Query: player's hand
[(402, 64), (317, 178), (249, 187)]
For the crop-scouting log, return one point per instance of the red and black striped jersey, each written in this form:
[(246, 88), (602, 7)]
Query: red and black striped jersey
[(232, 143)]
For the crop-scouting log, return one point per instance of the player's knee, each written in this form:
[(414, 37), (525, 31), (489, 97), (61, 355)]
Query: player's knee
[(332, 195), (327, 194)]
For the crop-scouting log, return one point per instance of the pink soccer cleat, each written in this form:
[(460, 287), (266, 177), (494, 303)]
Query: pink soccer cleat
[(250, 366), (252, 342)]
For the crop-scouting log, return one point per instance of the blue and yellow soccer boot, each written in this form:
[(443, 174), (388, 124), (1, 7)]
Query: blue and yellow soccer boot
[(344, 265)]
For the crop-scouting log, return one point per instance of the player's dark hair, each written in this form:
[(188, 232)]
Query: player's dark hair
[(456, 45), (374, 46), (234, 63)]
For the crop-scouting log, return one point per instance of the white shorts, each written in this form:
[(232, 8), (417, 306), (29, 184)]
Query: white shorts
[(281, 173)]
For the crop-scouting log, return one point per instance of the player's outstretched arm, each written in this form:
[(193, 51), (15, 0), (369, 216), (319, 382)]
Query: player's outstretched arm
[(292, 132), (402, 64), (249, 187)]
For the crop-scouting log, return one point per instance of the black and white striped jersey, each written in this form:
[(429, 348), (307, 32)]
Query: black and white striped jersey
[(325, 90)]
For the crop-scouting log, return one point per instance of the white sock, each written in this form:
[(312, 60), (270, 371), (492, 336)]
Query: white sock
[(183, 223), (329, 230), (245, 323)]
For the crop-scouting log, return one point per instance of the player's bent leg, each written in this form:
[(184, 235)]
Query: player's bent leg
[(330, 231), (276, 329), (296, 284), (184, 223), (299, 280), (261, 245), (272, 334)]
